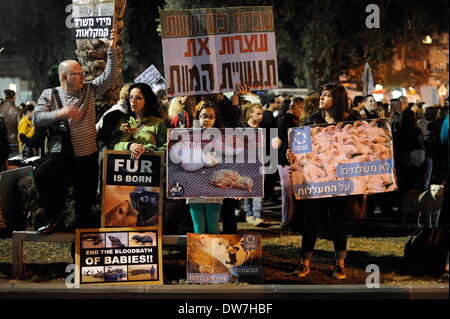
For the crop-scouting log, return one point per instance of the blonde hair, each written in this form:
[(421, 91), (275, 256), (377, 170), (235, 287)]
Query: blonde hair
[(249, 109), (123, 94)]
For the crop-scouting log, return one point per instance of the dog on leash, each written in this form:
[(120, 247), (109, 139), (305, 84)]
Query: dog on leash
[(427, 203)]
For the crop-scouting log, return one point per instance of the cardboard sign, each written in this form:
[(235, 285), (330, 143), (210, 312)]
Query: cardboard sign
[(211, 50), (341, 159), (224, 258), (153, 78), (132, 189), (92, 19), (119, 255), (214, 163)]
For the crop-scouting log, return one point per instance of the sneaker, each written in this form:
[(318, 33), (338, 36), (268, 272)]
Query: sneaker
[(249, 219), (258, 221), (339, 271), (304, 270)]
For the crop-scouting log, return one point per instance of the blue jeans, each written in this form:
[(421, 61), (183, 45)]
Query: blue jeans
[(205, 218), (253, 207)]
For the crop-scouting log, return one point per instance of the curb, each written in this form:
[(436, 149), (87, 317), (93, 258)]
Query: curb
[(19, 290)]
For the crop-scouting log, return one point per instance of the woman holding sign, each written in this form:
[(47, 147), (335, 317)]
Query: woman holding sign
[(144, 130), (332, 105)]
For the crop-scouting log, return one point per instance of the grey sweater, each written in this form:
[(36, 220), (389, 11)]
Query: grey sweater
[(82, 131)]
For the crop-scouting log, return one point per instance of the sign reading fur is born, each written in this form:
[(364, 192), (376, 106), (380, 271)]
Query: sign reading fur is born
[(224, 258), (132, 194), (118, 255), (347, 158)]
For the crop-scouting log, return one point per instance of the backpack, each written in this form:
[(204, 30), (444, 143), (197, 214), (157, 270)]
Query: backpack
[(426, 251)]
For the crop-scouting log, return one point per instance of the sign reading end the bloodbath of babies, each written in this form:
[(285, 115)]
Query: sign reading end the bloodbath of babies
[(118, 255)]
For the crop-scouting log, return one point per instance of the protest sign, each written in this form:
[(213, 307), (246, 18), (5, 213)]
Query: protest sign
[(347, 158), (132, 189), (214, 163), (211, 50), (92, 20), (224, 258), (153, 78), (118, 255)]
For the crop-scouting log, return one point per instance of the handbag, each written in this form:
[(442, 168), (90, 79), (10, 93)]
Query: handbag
[(356, 206), (58, 141)]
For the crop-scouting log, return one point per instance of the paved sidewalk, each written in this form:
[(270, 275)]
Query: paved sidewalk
[(51, 290)]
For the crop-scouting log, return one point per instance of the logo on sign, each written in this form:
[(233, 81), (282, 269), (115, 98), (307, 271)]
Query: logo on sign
[(177, 190), (301, 141), (250, 242)]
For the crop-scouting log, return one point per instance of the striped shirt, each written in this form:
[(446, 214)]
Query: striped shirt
[(83, 132)]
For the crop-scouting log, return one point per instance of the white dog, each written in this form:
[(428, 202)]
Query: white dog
[(426, 203)]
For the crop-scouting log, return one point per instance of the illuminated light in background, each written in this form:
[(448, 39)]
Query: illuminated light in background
[(396, 94)]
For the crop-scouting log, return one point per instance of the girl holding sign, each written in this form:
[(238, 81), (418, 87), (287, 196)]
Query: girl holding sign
[(145, 130), (205, 213), (333, 104)]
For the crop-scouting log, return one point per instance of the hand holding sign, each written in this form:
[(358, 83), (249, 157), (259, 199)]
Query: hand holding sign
[(136, 150)]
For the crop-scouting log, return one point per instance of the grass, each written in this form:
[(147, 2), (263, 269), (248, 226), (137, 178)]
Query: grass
[(281, 256)]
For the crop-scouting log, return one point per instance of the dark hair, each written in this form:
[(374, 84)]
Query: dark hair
[(9, 94), (357, 99), (340, 100), (310, 107), (298, 99), (285, 106), (367, 96), (151, 107), (409, 119), (209, 104), (27, 107), (430, 113)]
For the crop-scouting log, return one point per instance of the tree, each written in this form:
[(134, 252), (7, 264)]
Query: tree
[(30, 30)]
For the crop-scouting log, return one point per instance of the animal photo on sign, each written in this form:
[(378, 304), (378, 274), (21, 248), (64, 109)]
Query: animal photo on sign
[(92, 274), (116, 273), (93, 240), (219, 254), (143, 272), (142, 239), (130, 206), (117, 240)]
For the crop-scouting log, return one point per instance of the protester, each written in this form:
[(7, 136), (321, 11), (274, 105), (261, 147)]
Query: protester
[(273, 103), (205, 212), (4, 146), (369, 110), (333, 104), (444, 216), (310, 107), (25, 131), (357, 107), (253, 206), (429, 117), (108, 132), (395, 114), (183, 117), (144, 130), (409, 151), (79, 159), (289, 117), (11, 116)]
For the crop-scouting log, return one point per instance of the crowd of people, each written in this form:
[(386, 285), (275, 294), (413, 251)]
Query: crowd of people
[(138, 123)]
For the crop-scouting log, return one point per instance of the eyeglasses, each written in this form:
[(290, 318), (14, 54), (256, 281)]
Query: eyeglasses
[(77, 73), (135, 97), (205, 117)]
